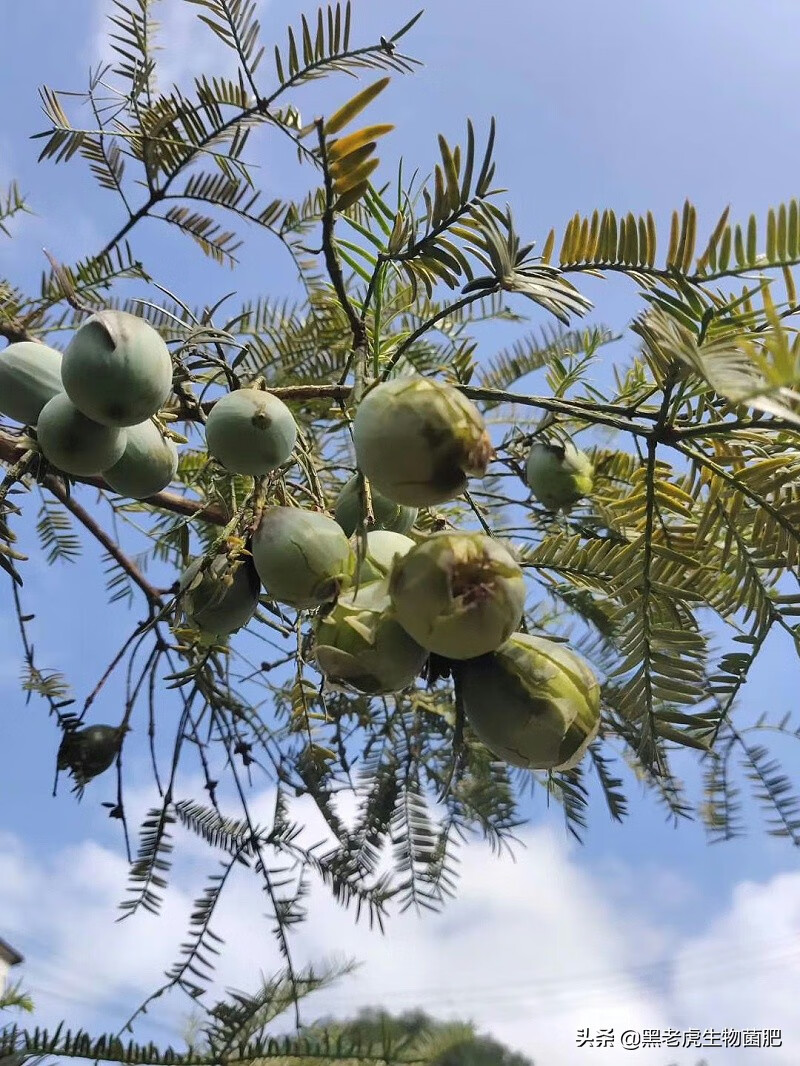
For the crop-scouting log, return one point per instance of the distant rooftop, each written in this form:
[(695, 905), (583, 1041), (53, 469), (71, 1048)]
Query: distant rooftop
[(8, 954)]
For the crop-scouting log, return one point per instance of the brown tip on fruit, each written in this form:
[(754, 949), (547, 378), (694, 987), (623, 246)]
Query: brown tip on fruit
[(479, 456)]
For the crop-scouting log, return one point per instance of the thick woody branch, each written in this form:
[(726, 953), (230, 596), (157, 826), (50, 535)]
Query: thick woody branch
[(620, 416), (287, 393)]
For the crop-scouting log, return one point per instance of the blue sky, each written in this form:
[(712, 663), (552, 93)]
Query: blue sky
[(624, 105)]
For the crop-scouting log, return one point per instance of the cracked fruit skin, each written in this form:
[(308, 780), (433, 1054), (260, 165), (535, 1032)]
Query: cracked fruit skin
[(417, 440), (458, 594), (90, 751), (30, 375), (302, 557), (360, 645), (558, 475), (534, 703), (117, 369), (148, 464), (74, 443), (250, 432), (382, 547), (224, 599), (388, 515)]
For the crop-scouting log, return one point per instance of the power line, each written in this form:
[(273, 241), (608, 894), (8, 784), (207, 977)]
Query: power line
[(579, 999), (586, 980), (508, 995), (729, 975), (585, 977)]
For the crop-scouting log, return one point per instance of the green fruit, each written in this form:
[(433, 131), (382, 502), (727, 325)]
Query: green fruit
[(30, 375), (221, 600), (359, 644), (559, 475), (382, 547), (534, 703), (147, 466), (116, 369), (302, 557), (388, 515), (90, 751), (417, 440), (74, 443), (250, 432), (458, 594)]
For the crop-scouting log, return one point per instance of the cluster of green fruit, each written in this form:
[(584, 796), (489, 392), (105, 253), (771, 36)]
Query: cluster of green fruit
[(93, 407), (460, 596)]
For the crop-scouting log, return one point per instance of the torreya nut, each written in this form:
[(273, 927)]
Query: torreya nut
[(302, 557), (250, 432), (223, 598), (359, 644), (148, 464), (558, 475), (74, 443), (418, 440), (30, 375), (388, 515), (383, 547), (88, 752), (117, 369), (535, 703), (458, 594)]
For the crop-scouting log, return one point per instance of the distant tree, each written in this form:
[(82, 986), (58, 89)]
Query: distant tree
[(462, 1045)]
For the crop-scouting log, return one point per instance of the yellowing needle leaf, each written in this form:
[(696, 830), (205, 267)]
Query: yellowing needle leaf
[(339, 119)]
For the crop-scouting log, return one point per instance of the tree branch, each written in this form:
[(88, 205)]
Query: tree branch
[(100, 535), (286, 393), (334, 268), (465, 301), (14, 332)]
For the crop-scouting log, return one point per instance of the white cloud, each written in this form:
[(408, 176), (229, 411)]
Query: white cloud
[(187, 47), (756, 974), (531, 950)]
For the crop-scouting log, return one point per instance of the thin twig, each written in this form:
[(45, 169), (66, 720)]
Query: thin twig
[(67, 289), (465, 301)]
